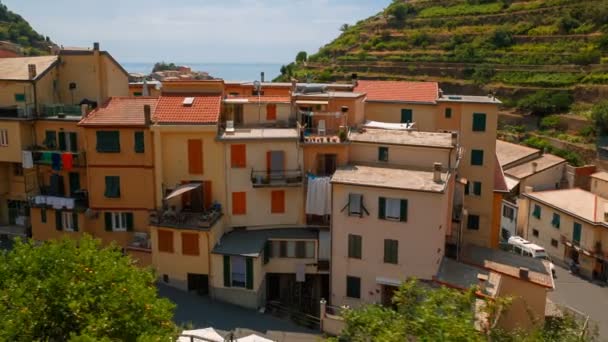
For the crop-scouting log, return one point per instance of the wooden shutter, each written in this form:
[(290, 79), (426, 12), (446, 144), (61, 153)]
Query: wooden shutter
[(74, 178), (403, 212), (267, 251), (381, 208), (43, 215), (477, 157), (351, 245), (391, 251), (139, 142), (271, 111), (62, 145), (249, 265), (477, 188), (479, 122), (58, 221), (238, 156), (129, 219), (448, 113), (268, 163), (277, 202), (75, 221), (108, 221), (227, 281), (73, 142), (239, 203), (50, 140), (207, 194), (112, 187), (195, 156), (353, 287), (165, 241), (190, 244), (300, 249)]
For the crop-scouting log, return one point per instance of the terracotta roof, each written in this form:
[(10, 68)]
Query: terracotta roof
[(204, 110), (527, 169), (16, 68), (574, 202), (510, 154), (262, 99), (399, 91), (120, 111), (500, 184)]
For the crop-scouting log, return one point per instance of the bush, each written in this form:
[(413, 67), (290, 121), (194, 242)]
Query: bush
[(542, 144), (599, 113), (550, 122), (501, 38), (545, 102), (587, 131)]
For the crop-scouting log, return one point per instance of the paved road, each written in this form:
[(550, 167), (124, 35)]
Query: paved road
[(582, 295), (201, 312)]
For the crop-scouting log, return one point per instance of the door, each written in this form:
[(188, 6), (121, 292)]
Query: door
[(326, 164), (198, 283), (576, 233), (406, 116), (387, 295), (273, 286), (74, 182), (277, 164)]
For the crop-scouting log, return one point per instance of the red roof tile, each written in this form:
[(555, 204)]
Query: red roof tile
[(263, 99), (204, 110), (120, 111), (500, 184), (399, 91)]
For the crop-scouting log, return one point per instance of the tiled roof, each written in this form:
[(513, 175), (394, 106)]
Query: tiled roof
[(500, 184), (399, 91), (510, 154), (120, 111), (574, 202), (204, 110), (527, 169), (17, 68)]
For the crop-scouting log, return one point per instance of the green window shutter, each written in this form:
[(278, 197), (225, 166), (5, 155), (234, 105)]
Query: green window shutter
[(479, 122), (267, 251), (20, 97), (383, 153), (407, 116), (249, 265), (477, 188), (43, 215), (227, 271), (556, 220), (448, 113), (108, 141), (108, 219), (537, 211), (403, 214), (476, 157), (359, 246), (74, 178), (387, 250), (75, 221), (381, 208), (139, 142), (58, 221), (50, 140), (577, 232), (473, 222), (62, 146), (112, 187), (129, 219), (74, 142), (351, 246), (353, 287), (466, 188), (391, 251)]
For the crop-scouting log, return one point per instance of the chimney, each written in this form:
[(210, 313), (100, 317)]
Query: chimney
[(454, 138), (528, 189), (437, 172), (523, 272), (262, 77), (147, 115), (534, 167), (84, 108), (31, 71), (96, 46)]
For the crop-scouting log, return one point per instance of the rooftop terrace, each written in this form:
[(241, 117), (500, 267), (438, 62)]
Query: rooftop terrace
[(398, 137), (387, 177)]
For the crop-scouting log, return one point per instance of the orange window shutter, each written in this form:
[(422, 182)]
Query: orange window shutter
[(278, 202), (207, 194), (195, 156), (271, 111), (165, 241), (190, 244), (238, 157), (239, 203)]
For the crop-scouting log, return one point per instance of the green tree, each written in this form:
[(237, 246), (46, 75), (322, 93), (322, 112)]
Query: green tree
[(344, 27), (76, 290), (546, 102), (301, 57), (599, 112)]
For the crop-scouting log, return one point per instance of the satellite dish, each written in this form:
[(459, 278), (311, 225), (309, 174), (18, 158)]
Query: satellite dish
[(257, 85)]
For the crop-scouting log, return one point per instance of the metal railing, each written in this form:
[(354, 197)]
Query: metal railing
[(297, 316), (195, 220), (61, 109), (276, 178)]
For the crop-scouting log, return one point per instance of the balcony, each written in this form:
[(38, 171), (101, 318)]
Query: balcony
[(78, 201), (15, 112), (45, 157), (282, 178), (61, 111), (324, 127), (186, 219)]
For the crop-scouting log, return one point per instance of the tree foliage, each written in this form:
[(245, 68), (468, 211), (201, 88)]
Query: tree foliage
[(164, 66), (599, 113), (67, 290), (301, 57), (546, 102), (17, 30)]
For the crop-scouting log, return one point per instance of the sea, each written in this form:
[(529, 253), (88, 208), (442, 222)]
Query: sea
[(226, 71)]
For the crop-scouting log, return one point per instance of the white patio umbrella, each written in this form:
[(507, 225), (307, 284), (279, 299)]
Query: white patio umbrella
[(207, 334)]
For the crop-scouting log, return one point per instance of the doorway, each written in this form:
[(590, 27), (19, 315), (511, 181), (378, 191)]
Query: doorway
[(326, 164), (387, 295), (198, 283)]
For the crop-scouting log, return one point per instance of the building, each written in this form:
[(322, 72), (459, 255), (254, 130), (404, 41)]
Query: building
[(525, 166), (145, 88)]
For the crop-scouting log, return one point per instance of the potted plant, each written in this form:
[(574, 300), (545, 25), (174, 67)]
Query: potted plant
[(342, 135)]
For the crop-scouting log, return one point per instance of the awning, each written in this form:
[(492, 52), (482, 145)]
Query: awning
[(388, 281), (182, 189), (310, 102)]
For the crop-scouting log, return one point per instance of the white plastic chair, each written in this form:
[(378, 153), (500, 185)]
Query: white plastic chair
[(321, 127)]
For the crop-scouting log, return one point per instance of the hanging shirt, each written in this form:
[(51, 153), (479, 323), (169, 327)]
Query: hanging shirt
[(56, 161), (46, 157), (27, 160), (67, 159)]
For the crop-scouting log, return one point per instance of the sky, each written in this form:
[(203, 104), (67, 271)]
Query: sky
[(212, 31)]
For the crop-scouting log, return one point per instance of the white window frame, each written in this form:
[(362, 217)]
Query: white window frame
[(67, 221), (232, 273), (4, 137), (119, 222), (386, 208)]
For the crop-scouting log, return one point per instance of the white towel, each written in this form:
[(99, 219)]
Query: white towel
[(318, 196), (27, 160), (69, 203)]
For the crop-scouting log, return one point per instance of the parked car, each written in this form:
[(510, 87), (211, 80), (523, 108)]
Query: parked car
[(524, 247)]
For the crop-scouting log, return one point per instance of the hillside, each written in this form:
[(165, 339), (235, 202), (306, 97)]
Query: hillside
[(15, 29), (515, 48)]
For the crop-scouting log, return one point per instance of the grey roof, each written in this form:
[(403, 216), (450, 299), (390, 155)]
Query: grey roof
[(251, 242), (460, 275)]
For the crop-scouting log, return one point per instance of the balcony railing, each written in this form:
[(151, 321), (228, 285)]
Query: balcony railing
[(276, 178), (78, 200), (17, 112), (61, 110), (186, 220)]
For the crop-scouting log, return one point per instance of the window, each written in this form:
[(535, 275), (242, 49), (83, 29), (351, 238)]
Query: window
[(277, 205), (50, 140), (20, 97), (137, 93), (108, 141), (479, 122), (473, 222), (195, 156), (536, 212), (505, 234), (291, 249), (271, 112), (392, 209), (66, 221), (190, 244), (139, 142), (407, 116), (3, 137), (476, 157), (119, 222), (535, 232), (577, 231), (238, 272), (554, 243), (508, 212), (310, 249), (391, 251), (354, 246), (43, 215), (239, 203), (18, 169), (477, 188), (448, 113), (355, 205), (257, 93), (112, 187), (165, 241), (238, 155), (466, 188), (555, 221), (353, 287), (383, 154), (67, 141)]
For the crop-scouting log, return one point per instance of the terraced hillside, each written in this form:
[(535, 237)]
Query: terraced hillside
[(17, 30), (515, 48)]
